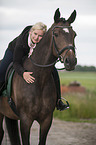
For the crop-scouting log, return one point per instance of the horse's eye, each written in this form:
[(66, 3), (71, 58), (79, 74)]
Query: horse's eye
[(56, 34)]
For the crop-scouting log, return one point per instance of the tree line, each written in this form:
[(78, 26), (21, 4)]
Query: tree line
[(85, 68)]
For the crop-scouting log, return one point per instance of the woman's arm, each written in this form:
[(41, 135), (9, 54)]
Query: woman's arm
[(17, 60), (18, 64)]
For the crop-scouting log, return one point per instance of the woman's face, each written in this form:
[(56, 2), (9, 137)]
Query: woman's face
[(36, 35)]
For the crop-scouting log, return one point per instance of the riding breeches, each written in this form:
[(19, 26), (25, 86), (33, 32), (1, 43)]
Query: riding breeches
[(8, 58)]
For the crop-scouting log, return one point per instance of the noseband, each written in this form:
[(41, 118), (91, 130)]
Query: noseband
[(69, 47)]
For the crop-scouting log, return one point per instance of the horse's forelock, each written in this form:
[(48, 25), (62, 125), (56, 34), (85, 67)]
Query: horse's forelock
[(61, 20)]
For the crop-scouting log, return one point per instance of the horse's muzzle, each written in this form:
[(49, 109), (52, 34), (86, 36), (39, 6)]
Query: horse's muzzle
[(70, 64)]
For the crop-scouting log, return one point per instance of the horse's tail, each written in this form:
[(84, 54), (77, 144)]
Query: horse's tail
[(13, 132)]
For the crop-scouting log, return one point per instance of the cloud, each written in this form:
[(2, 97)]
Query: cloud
[(12, 18), (15, 15)]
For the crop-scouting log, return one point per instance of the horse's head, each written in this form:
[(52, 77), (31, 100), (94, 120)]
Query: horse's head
[(63, 40)]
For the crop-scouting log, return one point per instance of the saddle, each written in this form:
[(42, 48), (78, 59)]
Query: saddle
[(8, 87)]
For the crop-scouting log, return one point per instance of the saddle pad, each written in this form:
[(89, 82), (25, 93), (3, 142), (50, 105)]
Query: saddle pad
[(7, 91)]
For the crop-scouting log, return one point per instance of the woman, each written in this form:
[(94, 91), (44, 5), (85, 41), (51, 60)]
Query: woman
[(22, 46)]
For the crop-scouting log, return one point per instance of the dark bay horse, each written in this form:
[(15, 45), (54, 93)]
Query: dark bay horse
[(37, 101)]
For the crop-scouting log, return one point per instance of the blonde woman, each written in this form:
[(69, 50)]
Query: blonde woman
[(22, 46)]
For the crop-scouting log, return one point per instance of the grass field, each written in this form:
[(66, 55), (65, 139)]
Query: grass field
[(82, 105), (87, 79)]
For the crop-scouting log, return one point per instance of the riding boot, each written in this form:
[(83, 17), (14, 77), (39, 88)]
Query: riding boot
[(59, 104), (1, 87)]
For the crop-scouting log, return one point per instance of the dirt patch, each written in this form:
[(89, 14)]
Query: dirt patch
[(76, 89), (63, 133)]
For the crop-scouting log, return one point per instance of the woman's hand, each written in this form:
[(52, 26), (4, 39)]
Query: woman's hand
[(28, 77)]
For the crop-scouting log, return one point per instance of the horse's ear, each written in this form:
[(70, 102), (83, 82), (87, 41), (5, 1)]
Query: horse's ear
[(71, 19), (57, 15)]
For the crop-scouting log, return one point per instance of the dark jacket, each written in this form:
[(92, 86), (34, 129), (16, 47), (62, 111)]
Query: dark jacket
[(19, 47)]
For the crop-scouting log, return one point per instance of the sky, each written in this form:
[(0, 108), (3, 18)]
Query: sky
[(15, 15)]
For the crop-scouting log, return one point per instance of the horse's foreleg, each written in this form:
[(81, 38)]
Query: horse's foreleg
[(44, 129), (25, 126), (12, 127), (1, 128)]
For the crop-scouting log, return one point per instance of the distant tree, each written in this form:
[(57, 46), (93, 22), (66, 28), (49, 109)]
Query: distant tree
[(85, 68)]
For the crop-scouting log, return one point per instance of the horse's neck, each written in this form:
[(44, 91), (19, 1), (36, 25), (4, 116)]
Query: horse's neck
[(43, 53)]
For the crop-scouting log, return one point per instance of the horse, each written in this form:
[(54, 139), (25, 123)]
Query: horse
[(37, 101)]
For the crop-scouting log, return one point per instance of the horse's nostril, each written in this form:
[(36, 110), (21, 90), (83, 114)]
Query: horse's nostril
[(75, 60), (67, 61)]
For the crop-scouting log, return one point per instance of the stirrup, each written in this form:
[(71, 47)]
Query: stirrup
[(65, 101), (62, 106)]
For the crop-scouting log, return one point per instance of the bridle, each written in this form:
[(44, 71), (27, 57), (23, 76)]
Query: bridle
[(69, 47)]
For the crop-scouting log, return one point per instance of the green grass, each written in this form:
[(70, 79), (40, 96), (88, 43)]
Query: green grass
[(87, 79), (82, 106)]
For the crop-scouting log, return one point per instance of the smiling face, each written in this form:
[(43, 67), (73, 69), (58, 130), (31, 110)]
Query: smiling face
[(36, 35)]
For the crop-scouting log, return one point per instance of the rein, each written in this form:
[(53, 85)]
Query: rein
[(69, 47), (48, 65), (40, 65)]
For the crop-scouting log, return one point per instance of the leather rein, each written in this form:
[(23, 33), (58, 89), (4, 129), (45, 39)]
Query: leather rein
[(69, 47)]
